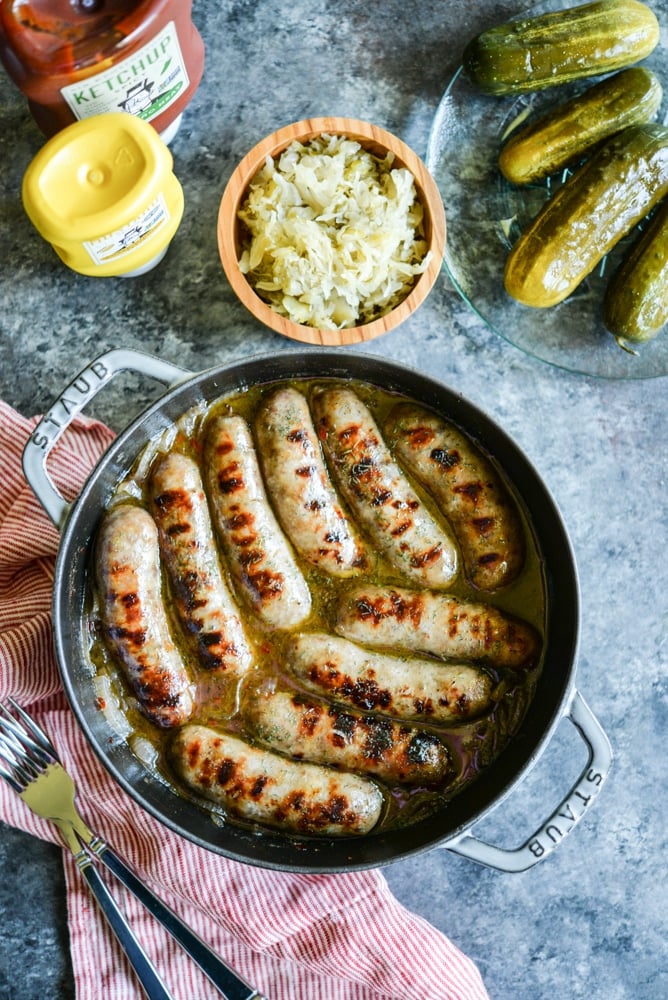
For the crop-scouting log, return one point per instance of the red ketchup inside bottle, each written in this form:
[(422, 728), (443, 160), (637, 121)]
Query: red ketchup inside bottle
[(77, 58)]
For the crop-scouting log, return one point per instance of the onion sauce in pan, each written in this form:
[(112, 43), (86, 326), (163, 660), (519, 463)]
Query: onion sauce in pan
[(472, 744)]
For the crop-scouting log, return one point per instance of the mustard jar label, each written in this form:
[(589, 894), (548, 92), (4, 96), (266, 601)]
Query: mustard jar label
[(127, 238), (145, 84)]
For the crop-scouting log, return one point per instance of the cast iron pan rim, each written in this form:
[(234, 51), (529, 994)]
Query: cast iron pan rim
[(266, 849)]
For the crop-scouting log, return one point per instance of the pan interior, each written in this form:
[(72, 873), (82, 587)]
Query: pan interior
[(276, 850)]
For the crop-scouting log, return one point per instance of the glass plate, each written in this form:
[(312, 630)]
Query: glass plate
[(485, 215)]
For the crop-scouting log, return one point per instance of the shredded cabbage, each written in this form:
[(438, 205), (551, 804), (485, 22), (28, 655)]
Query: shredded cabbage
[(335, 233)]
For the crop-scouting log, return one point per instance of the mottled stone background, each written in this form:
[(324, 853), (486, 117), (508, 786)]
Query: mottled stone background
[(591, 921)]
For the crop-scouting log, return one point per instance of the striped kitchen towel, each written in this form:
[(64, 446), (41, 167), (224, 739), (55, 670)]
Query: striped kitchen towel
[(293, 936)]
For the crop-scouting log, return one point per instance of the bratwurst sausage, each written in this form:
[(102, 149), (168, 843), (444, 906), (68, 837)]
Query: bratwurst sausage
[(468, 490), (402, 687), (260, 786), (379, 494), (429, 622), (259, 556), (133, 616), (308, 728), (298, 483), (202, 598)]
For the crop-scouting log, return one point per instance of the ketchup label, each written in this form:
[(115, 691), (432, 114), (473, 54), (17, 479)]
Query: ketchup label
[(145, 84), (111, 246)]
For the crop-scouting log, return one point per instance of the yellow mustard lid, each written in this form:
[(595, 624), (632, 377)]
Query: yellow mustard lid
[(103, 193)]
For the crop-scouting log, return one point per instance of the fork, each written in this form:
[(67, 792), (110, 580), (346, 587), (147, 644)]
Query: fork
[(30, 764)]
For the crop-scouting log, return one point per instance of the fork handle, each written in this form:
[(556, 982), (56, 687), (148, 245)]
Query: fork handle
[(151, 983), (231, 985)]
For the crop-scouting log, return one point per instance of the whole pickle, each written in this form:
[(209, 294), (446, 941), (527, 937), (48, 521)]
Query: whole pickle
[(549, 49), (602, 202), (569, 131), (635, 307)]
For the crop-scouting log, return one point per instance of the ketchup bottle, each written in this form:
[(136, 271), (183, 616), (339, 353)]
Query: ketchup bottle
[(77, 58)]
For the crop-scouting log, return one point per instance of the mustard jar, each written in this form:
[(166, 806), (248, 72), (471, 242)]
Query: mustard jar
[(103, 193)]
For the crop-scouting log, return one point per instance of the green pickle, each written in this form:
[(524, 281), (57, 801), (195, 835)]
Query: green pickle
[(549, 49), (599, 205), (635, 307), (574, 128)]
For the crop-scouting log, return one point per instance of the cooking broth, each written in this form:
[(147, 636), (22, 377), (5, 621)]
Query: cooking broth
[(473, 745)]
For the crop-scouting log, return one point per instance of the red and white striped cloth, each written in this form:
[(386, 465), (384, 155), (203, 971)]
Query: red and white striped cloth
[(293, 936)]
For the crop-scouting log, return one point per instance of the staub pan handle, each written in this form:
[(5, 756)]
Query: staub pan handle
[(72, 400), (567, 814)]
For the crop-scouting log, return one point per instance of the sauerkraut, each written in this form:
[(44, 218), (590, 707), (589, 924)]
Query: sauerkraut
[(334, 234)]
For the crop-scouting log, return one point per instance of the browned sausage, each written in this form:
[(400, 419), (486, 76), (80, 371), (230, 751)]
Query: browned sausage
[(263, 787), (202, 597), (133, 616), (468, 490), (379, 494), (300, 488), (404, 687), (429, 622), (259, 556), (309, 728)]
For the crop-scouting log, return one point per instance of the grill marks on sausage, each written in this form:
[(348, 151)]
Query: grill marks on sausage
[(259, 556), (258, 784), (134, 621), (394, 606), (129, 600), (471, 491), (426, 558), (444, 459), (391, 605), (421, 436), (311, 817), (381, 742), (464, 483), (364, 693), (316, 816), (205, 606), (309, 718), (364, 473), (317, 731), (379, 492), (175, 515), (410, 688), (230, 479), (484, 524), (135, 636), (239, 519), (298, 483), (430, 622), (223, 771), (265, 583), (153, 685), (223, 447)]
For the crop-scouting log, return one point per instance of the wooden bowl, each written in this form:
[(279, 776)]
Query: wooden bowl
[(377, 141)]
